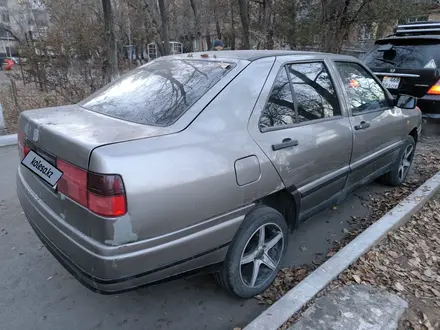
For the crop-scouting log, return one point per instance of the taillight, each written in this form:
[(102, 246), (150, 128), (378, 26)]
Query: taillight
[(103, 194), (435, 90), (73, 183), (23, 150), (106, 194)]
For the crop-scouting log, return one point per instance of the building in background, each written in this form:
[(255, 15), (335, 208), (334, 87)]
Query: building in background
[(17, 19)]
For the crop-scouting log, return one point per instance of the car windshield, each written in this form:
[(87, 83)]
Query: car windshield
[(414, 55), (159, 93)]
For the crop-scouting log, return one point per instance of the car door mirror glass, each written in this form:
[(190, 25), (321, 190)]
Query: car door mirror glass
[(406, 102)]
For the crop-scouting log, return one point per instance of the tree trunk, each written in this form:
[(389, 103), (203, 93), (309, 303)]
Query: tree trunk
[(208, 39), (217, 21), (111, 61), (164, 16), (231, 6), (244, 15), (197, 30), (267, 24)]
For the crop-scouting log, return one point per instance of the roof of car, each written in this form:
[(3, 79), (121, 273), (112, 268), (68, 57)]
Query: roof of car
[(252, 55)]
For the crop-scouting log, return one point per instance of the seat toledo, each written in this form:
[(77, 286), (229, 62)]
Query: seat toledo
[(207, 160)]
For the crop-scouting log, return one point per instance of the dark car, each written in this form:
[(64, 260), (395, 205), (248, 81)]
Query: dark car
[(408, 62)]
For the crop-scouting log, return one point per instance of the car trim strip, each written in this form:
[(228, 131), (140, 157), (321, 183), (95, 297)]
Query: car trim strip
[(332, 177), (404, 75), (324, 181), (374, 156)]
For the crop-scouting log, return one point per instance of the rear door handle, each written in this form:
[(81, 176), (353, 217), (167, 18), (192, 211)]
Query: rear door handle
[(362, 125), (285, 144)]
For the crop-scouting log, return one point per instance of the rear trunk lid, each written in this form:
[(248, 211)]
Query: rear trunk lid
[(71, 132), (406, 65)]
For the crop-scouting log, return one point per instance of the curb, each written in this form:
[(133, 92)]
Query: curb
[(277, 314), (8, 140)]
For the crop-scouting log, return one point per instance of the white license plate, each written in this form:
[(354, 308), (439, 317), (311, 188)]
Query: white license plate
[(391, 82), (42, 168)]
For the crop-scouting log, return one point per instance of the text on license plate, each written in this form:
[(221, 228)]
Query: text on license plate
[(42, 168), (391, 82)]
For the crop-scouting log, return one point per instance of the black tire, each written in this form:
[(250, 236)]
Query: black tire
[(395, 177), (233, 275)]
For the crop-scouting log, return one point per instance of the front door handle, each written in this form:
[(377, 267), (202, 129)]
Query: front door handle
[(362, 125), (285, 144)]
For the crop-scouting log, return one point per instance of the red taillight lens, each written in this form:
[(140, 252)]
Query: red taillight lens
[(23, 150), (106, 195), (109, 206), (102, 194), (73, 183), (435, 90)]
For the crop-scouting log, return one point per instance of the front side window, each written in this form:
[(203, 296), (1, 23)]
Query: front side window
[(363, 91), (159, 93), (313, 89)]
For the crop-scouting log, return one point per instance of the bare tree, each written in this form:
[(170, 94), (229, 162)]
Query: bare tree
[(164, 15), (244, 16), (111, 62), (197, 30)]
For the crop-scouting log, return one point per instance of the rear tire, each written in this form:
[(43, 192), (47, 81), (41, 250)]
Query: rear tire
[(255, 254), (402, 165)]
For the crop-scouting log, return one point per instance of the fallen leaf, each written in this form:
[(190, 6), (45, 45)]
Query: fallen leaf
[(357, 279), (427, 273), (399, 287), (393, 254), (436, 292)]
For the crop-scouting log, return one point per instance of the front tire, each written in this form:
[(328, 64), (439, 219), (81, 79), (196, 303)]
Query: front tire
[(255, 254), (402, 165)]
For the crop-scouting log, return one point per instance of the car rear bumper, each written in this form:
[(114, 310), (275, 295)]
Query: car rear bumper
[(103, 268), (430, 106)]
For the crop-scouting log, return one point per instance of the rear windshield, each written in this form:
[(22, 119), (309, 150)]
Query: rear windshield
[(159, 93), (414, 55)]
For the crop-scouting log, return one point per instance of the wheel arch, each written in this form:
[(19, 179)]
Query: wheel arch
[(287, 203), (415, 134)]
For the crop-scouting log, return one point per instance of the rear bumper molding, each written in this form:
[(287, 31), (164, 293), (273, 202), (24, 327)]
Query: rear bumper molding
[(104, 286)]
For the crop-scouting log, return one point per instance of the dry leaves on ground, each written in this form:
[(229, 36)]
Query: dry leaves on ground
[(407, 263), (426, 164)]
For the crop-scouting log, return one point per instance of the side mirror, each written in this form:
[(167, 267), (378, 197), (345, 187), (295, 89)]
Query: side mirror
[(406, 102)]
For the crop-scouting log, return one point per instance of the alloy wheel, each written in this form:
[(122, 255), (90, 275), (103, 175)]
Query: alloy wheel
[(405, 162), (261, 255)]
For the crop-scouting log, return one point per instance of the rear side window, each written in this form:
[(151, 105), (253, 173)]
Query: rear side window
[(279, 110), (301, 92), (159, 93), (314, 93), (404, 55)]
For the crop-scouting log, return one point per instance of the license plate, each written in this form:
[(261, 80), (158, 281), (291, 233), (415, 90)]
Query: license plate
[(391, 82), (42, 168)]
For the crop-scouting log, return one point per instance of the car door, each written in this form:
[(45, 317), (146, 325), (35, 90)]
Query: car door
[(300, 125), (378, 126)]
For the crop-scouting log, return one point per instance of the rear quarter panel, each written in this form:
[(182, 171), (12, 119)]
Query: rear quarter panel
[(182, 180)]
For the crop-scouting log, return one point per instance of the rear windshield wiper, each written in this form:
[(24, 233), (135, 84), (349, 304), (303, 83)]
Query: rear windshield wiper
[(385, 61)]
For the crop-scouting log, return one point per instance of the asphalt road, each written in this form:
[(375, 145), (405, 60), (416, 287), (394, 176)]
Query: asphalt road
[(37, 293)]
